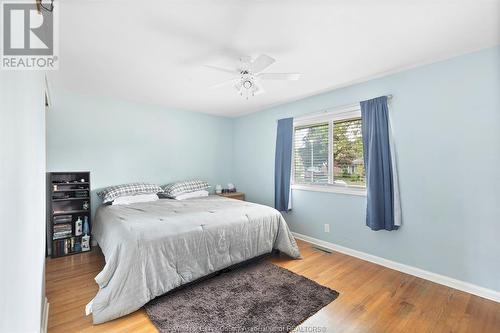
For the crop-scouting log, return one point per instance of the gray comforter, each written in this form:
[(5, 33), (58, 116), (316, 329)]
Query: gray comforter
[(153, 247)]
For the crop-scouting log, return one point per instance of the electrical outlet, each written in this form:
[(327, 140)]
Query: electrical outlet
[(327, 228)]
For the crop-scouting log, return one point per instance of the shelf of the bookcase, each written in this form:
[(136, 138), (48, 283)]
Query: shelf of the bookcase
[(71, 190), (68, 212), (70, 199), (53, 255), (67, 237), (74, 183)]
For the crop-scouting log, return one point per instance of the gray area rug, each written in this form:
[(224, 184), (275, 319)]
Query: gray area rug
[(257, 297)]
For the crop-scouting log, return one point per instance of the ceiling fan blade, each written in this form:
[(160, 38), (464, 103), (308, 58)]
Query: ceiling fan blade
[(279, 76), (262, 62), (222, 69), (226, 82), (259, 90)]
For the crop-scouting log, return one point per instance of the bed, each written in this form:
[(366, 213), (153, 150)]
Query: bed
[(153, 247)]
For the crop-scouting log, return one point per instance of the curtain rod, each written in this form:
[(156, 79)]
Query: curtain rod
[(329, 109)]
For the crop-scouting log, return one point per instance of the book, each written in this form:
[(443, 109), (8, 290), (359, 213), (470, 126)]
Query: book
[(62, 227), (63, 219)]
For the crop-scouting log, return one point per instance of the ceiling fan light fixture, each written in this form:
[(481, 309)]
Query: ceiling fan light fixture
[(248, 84)]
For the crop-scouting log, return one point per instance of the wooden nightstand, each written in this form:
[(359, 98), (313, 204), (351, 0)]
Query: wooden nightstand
[(234, 195)]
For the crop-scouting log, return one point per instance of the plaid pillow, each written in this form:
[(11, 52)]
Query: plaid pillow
[(111, 193), (174, 189)]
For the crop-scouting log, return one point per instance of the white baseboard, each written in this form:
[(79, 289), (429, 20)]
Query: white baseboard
[(434, 277), (45, 316)]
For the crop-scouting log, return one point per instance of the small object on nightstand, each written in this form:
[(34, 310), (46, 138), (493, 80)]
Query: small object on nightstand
[(233, 195), (230, 189), (218, 189)]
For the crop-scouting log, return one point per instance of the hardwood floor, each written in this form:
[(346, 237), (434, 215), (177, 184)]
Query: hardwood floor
[(372, 298)]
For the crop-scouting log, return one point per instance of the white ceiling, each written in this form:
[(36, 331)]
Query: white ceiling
[(154, 51)]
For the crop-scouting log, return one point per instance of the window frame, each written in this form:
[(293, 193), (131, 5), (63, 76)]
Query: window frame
[(327, 116)]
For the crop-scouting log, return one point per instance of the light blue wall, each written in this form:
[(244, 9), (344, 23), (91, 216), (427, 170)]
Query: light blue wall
[(446, 119), (122, 142)]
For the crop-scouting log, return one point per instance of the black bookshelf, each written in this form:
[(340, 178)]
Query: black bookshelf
[(68, 204)]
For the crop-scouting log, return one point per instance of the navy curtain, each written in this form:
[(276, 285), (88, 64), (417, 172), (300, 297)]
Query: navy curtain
[(378, 164), (283, 164)]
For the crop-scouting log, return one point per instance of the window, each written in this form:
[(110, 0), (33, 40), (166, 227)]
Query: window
[(348, 163), (311, 154), (328, 150)]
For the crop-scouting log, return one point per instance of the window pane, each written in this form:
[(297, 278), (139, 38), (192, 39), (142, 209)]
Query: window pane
[(348, 164), (311, 154)]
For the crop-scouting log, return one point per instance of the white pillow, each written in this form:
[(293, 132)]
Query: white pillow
[(189, 195), (126, 200)]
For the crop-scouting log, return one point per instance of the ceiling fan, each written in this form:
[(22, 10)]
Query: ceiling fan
[(250, 73)]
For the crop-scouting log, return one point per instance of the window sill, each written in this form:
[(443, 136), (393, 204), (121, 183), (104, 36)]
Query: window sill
[(358, 191)]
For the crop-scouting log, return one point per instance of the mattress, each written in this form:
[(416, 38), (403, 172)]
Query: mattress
[(153, 247)]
